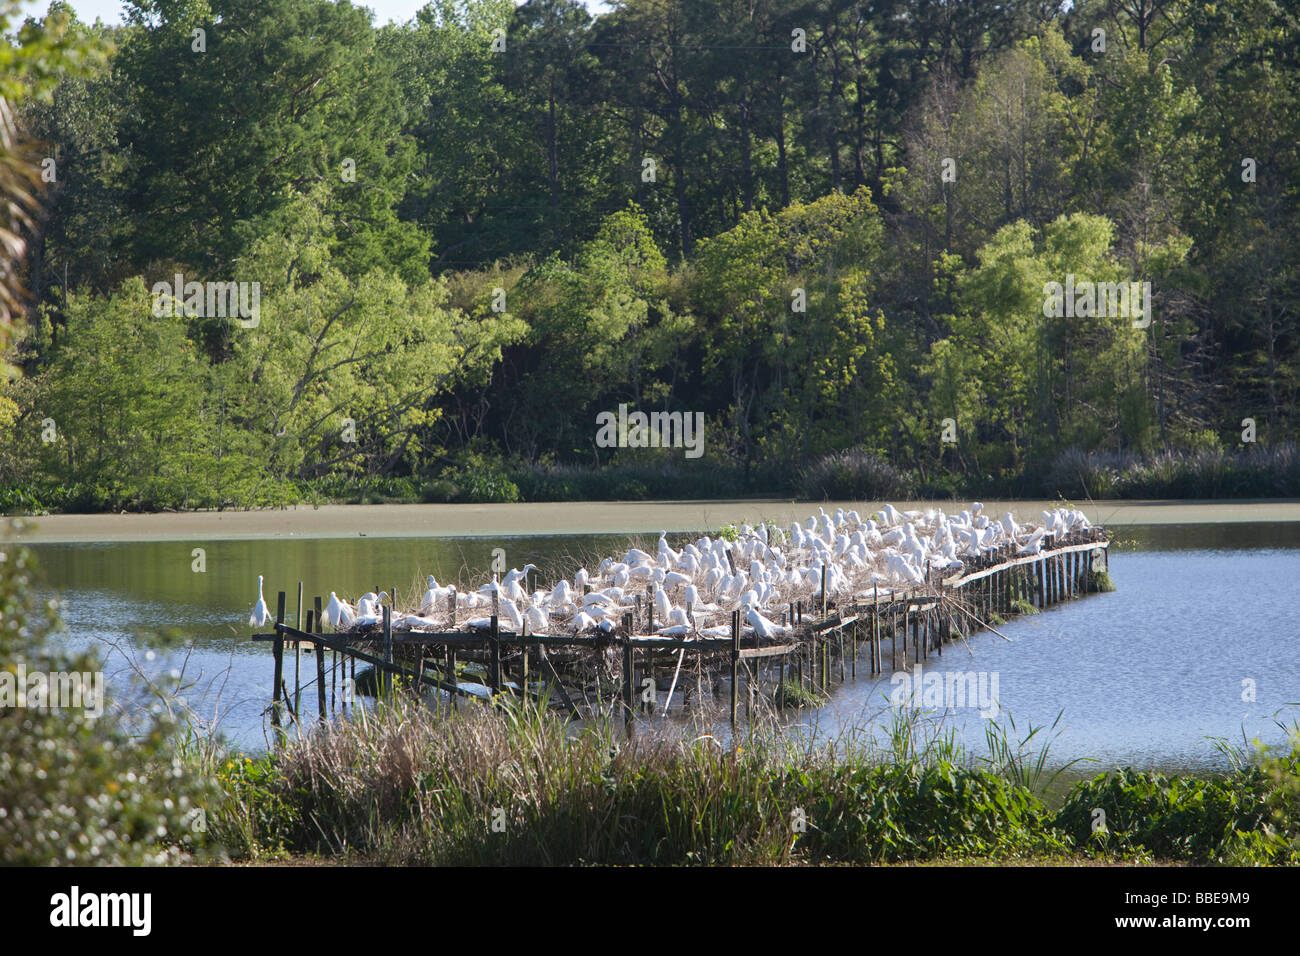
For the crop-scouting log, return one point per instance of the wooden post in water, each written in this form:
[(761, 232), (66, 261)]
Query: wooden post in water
[(893, 633), (277, 650), (297, 655), (628, 674), (386, 678), (1042, 592), (853, 648), (524, 663), (320, 678), (824, 596), (451, 668), (735, 661), (316, 620), (494, 649), (875, 629)]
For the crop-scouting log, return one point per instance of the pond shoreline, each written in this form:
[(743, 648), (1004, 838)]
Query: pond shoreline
[(573, 518)]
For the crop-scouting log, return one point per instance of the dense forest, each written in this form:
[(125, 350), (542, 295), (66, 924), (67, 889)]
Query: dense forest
[(827, 227)]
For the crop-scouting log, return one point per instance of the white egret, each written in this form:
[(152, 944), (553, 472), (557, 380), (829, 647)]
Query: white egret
[(339, 614), (261, 615)]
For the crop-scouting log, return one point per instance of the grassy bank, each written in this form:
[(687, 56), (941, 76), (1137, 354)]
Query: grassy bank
[(499, 786)]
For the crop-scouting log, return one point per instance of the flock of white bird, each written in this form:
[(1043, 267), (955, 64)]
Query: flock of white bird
[(760, 572)]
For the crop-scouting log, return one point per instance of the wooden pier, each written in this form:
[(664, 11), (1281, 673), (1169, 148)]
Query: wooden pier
[(635, 670)]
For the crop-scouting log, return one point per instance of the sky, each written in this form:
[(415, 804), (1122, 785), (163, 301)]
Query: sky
[(110, 11)]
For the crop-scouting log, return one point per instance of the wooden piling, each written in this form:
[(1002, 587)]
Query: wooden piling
[(628, 676), (494, 641), (451, 671), (297, 655), (735, 660), (277, 679), (386, 679), (320, 676)]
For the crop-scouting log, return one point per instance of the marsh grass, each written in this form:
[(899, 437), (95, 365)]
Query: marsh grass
[(511, 785)]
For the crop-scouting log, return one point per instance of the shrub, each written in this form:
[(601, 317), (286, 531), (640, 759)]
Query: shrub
[(918, 811), (480, 487), (1208, 472), (853, 475), (1183, 818), (78, 789), (1277, 841)]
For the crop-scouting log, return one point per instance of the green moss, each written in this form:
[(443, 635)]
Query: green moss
[(1021, 606), (793, 694), (1100, 581)]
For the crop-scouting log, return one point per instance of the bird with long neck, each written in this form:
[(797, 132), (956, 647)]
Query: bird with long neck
[(261, 615)]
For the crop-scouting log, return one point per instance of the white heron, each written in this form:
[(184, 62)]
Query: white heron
[(339, 614), (261, 615)]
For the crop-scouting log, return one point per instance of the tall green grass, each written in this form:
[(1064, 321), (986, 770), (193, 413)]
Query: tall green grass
[(511, 785)]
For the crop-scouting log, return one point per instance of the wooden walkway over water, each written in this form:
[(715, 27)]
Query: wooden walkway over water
[(630, 666)]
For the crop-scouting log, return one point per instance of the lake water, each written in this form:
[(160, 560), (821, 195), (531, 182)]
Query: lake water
[(1204, 619)]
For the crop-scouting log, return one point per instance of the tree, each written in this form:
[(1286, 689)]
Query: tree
[(272, 97), (31, 64)]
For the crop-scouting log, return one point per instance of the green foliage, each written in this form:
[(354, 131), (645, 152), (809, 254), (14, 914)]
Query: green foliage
[(792, 694), (1178, 818), (251, 816), (310, 93), (1277, 841), (79, 786), (911, 811), (820, 259), (853, 476), (1216, 473)]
